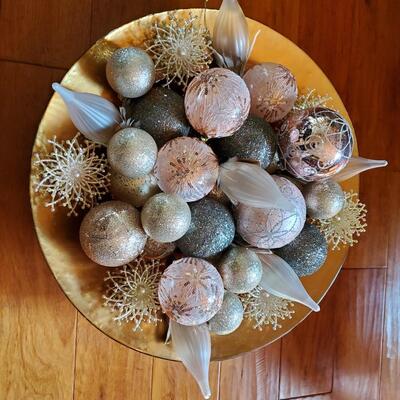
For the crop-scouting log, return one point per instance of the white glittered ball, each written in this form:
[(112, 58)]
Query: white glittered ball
[(271, 228), (132, 152)]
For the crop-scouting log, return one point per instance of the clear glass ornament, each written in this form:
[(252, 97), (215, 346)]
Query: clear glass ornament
[(250, 185), (193, 346), (94, 116), (356, 165), (280, 280)]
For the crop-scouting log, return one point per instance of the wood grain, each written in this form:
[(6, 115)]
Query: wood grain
[(252, 376), (37, 330), (389, 387), (47, 32), (108, 370), (171, 381)]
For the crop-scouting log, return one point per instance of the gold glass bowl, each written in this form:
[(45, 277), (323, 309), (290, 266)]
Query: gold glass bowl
[(80, 278)]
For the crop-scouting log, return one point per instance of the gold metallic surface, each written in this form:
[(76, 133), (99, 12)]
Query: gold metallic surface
[(81, 279)]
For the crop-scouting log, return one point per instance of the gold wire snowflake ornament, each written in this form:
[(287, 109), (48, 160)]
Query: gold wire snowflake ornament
[(310, 99), (72, 174), (347, 225), (181, 49), (265, 309), (132, 292)]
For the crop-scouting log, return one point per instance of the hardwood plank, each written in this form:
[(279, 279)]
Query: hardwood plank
[(171, 381), (252, 376), (390, 385), (108, 370), (47, 32), (37, 327), (372, 247), (308, 354)]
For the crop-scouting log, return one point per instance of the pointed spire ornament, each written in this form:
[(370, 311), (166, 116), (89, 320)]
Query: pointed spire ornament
[(356, 165), (231, 37), (94, 116), (193, 346)]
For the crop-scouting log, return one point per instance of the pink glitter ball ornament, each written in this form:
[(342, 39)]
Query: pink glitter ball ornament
[(273, 90), (186, 167), (271, 228), (217, 102), (191, 291)]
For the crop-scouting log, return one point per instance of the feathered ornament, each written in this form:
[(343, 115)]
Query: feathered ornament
[(347, 225), (264, 308), (132, 292), (72, 174), (181, 49)]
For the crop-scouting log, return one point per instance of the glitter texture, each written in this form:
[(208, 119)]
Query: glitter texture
[(315, 144), (132, 152), (165, 217), (273, 90), (186, 167), (157, 250), (181, 49), (135, 191), (130, 72), (217, 102), (264, 308), (191, 291), (240, 269), (111, 234), (270, 228), (161, 113), (345, 226), (229, 317), (131, 292), (307, 253), (73, 175), (211, 231), (254, 141), (323, 199)]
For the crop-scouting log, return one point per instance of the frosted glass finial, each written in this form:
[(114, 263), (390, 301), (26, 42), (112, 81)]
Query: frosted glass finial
[(356, 165)]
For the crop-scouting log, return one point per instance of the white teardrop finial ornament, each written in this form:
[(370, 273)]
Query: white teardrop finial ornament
[(192, 344), (356, 165), (94, 116), (280, 280), (250, 185)]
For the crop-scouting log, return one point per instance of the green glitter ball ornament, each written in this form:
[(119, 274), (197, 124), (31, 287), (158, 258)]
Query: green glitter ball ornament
[(307, 253), (211, 230)]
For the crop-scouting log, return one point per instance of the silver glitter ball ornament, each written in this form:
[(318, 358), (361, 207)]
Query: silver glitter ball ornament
[(135, 191), (132, 152), (315, 144), (307, 253), (254, 141), (229, 317), (161, 113), (241, 270), (211, 230), (165, 217), (111, 234), (323, 199), (130, 72)]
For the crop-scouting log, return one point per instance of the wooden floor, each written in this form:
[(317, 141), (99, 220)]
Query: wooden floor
[(348, 351)]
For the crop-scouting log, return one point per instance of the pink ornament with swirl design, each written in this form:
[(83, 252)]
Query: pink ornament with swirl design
[(186, 167), (315, 143), (273, 90), (191, 291), (217, 102)]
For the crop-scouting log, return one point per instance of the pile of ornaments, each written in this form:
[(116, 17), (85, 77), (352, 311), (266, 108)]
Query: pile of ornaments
[(217, 180)]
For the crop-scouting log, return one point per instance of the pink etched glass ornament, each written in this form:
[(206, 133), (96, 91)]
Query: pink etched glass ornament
[(315, 143), (273, 90), (191, 291), (217, 102), (271, 228), (186, 167)]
